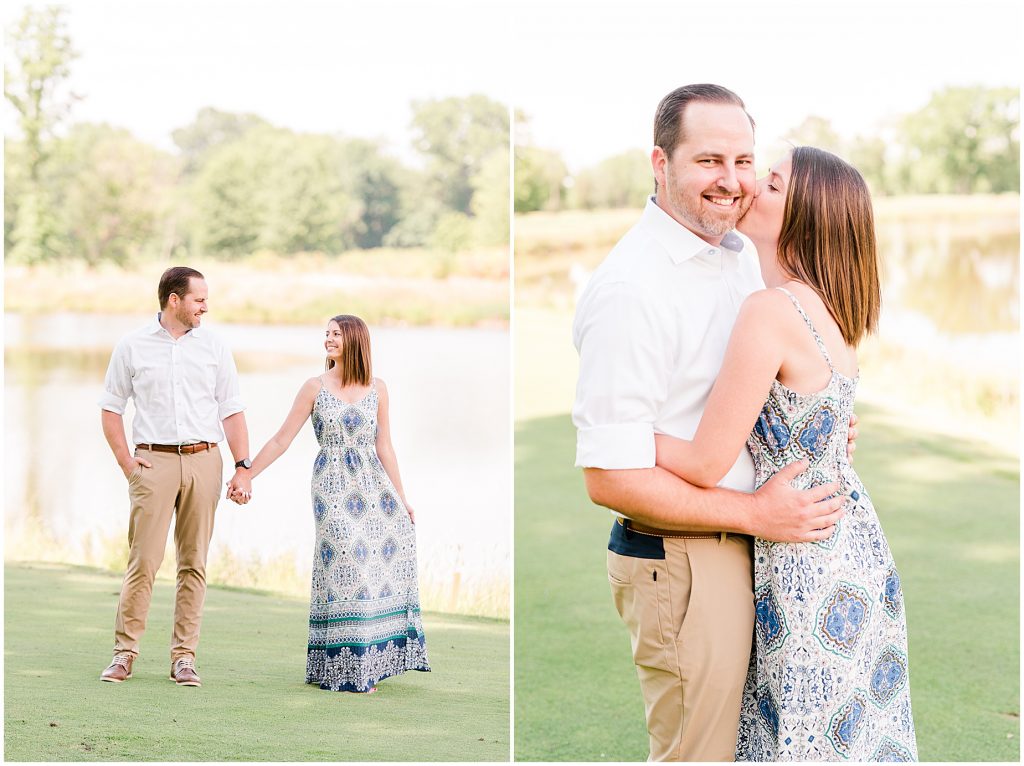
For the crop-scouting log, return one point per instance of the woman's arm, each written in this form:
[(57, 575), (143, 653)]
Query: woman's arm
[(386, 452), (752, 360), (280, 441)]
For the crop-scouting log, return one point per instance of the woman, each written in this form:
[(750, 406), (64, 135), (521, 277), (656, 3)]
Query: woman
[(828, 677), (364, 617)]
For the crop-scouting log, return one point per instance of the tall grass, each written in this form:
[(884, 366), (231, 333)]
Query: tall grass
[(385, 287)]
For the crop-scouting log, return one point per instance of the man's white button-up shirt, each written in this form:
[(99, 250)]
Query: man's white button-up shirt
[(182, 388), (651, 330)]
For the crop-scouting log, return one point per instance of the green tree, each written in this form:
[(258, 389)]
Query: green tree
[(211, 129), (540, 180), (964, 140), (40, 52), (817, 132), (376, 182), (116, 196), (490, 199), (624, 180), (869, 155), (276, 190), (456, 135)]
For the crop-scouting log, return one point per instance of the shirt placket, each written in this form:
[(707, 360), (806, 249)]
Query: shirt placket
[(178, 391)]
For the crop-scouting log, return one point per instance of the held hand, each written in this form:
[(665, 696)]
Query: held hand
[(787, 515), (408, 508), (851, 438), (240, 487), (129, 466)]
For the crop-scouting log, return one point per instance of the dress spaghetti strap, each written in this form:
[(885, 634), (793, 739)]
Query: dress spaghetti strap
[(810, 324)]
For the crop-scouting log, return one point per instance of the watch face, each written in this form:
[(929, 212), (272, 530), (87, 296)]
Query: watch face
[(246, 463)]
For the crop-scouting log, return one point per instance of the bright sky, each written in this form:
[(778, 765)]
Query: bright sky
[(332, 67), (589, 74), (593, 73)]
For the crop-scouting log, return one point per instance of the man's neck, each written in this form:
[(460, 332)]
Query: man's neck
[(173, 327)]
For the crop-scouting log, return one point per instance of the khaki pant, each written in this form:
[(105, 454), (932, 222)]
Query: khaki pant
[(691, 621), (188, 488)]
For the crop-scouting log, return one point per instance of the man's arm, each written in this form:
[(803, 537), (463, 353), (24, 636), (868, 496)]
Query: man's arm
[(117, 389), (113, 431), (657, 498)]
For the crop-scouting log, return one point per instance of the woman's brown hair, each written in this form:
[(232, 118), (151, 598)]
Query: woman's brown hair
[(828, 239), (355, 350)]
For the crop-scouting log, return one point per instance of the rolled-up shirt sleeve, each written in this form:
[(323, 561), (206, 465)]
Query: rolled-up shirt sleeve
[(117, 385), (227, 391), (623, 378)]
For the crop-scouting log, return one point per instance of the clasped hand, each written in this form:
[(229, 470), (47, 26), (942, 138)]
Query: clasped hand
[(239, 488)]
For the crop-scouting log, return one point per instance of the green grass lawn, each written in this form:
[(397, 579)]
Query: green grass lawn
[(950, 511), (253, 705)]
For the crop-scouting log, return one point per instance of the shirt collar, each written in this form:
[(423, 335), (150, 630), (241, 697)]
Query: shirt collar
[(154, 327), (681, 243)]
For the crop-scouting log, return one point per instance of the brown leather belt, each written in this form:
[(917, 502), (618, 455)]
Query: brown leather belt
[(654, 532), (181, 449)]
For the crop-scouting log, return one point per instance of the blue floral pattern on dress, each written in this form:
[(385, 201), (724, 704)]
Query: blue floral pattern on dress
[(888, 675), (892, 595), (771, 429), (847, 724), (769, 712), (828, 673), (843, 618), (892, 752), (770, 623)]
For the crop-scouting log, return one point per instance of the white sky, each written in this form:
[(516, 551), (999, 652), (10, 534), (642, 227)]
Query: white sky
[(588, 74), (331, 67), (595, 72)]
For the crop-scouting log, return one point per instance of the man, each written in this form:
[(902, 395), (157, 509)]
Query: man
[(185, 387), (651, 329)]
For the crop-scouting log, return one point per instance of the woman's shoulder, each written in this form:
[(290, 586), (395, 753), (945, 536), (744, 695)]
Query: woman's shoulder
[(767, 304), (311, 387)]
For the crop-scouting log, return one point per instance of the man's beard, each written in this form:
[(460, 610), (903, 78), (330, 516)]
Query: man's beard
[(705, 220), (185, 318)]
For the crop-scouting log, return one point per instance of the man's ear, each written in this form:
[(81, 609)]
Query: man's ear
[(659, 160)]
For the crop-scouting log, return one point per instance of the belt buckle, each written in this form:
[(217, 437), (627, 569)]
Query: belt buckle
[(180, 453)]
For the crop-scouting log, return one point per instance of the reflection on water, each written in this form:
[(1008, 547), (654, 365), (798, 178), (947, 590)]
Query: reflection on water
[(962, 275), (66, 498)]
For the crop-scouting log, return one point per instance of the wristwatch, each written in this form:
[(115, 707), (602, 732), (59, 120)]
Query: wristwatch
[(244, 463)]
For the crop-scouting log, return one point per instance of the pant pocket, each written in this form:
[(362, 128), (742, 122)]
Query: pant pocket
[(639, 592), (675, 593)]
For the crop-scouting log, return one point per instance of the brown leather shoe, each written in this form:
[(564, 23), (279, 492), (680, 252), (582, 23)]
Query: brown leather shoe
[(120, 669), (183, 672)]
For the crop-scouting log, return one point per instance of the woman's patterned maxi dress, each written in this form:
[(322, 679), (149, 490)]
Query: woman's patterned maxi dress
[(364, 613), (828, 677)]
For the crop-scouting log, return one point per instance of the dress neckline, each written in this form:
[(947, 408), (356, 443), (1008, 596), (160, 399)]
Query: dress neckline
[(364, 397)]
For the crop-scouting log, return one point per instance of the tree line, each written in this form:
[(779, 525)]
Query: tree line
[(236, 184), (965, 140)]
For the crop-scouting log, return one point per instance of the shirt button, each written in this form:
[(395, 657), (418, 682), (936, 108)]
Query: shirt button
[(712, 251)]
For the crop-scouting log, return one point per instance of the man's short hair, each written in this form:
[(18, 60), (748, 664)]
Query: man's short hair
[(175, 281), (668, 120)]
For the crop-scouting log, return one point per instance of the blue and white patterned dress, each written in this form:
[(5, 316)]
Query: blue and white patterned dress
[(828, 676), (364, 613)]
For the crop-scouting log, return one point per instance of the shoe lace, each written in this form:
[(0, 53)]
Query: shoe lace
[(122, 660), (184, 662)]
